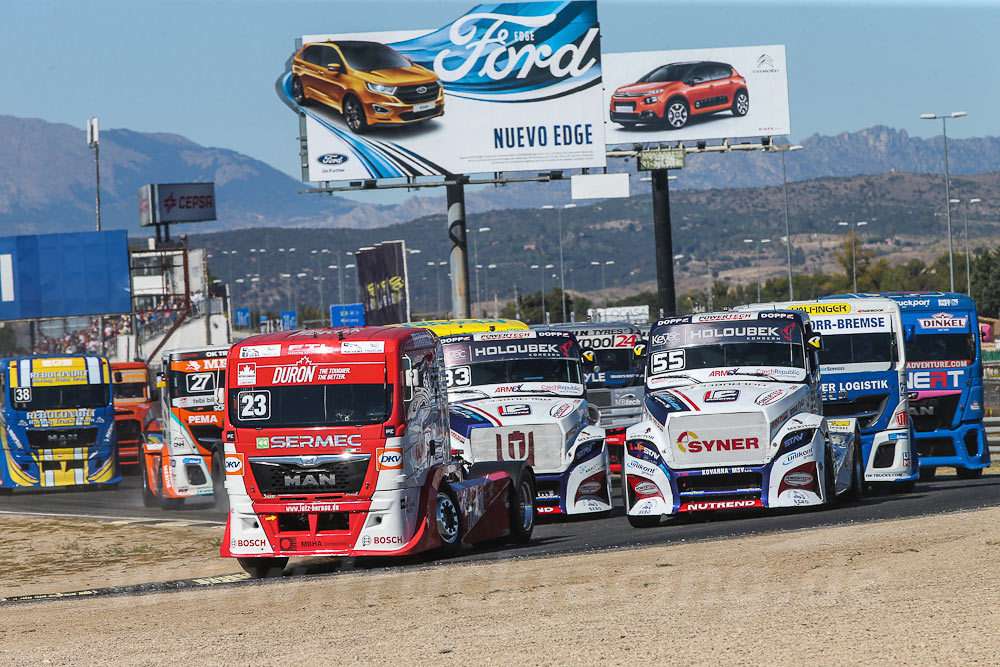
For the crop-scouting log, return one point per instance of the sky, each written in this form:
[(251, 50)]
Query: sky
[(207, 69)]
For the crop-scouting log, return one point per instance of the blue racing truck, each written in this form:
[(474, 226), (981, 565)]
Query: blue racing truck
[(863, 366), (58, 422), (944, 380)]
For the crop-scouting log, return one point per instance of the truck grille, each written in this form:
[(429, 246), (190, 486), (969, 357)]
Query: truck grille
[(412, 94), (930, 414), (711, 484), (935, 447), (719, 439), (128, 430), (599, 397), (300, 475), (206, 434), (62, 438), (541, 445), (868, 409)]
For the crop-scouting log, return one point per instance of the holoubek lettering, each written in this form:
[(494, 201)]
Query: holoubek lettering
[(532, 55)]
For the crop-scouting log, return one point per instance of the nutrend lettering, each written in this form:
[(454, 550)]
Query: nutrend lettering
[(689, 443), (533, 55)]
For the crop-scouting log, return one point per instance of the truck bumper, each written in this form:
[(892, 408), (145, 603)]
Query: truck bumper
[(890, 456), (963, 447)]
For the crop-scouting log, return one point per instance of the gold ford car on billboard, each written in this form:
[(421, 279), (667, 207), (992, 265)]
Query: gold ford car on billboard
[(368, 82)]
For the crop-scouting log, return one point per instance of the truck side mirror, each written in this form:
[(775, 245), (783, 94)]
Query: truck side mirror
[(220, 399), (815, 341), (908, 332), (118, 376), (588, 358), (639, 350)]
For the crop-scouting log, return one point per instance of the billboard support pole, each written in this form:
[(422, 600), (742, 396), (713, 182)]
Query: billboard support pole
[(664, 243), (458, 255)]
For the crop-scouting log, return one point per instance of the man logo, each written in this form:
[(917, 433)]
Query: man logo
[(332, 159)]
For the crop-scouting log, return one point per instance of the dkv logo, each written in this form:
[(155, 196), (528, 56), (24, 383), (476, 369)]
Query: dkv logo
[(389, 459), (234, 464)]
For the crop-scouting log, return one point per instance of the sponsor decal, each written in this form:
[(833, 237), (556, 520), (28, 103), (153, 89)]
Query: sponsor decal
[(234, 464), (309, 348), (362, 347), (328, 159), (719, 505), (853, 385), (284, 441), (822, 308), (516, 349), (940, 363), (389, 458), (795, 440), (607, 342), (262, 442), (211, 418), (847, 324), (590, 488), (503, 335), (750, 333), (246, 374), (724, 372), (665, 338), (251, 543), (724, 317), (798, 479), (548, 510), (799, 498), (333, 373), (721, 395), (257, 351), (641, 467), (933, 379), (387, 539), (769, 397), (298, 374), (947, 303), (311, 507), (689, 443), (646, 488), (514, 410), (795, 456), (943, 321)]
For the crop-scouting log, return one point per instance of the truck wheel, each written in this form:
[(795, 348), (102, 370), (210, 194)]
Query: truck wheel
[(219, 494), (523, 511), (263, 568), (637, 521), (927, 474), (448, 520), (968, 473), (148, 497), (829, 482), (857, 490), (171, 503), (6, 491)]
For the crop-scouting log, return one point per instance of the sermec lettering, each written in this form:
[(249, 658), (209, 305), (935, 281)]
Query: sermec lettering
[(293, 374), (339, 440)]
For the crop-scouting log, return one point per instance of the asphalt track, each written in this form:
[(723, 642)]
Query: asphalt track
[(551, 537)]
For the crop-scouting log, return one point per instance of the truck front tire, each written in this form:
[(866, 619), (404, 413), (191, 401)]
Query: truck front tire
[(263, 568)]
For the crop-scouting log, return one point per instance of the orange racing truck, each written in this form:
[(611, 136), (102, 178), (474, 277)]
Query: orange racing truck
[(185, 459), (337, 444), (134, 413)]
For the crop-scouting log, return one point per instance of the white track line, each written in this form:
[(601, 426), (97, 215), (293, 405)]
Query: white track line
[(120, 519)]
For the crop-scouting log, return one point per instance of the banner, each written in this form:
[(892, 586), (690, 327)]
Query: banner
[(347, 315), (242, 318), (657, 96), (289, 320), (505, 87), (383, 279), (176, 202), (64, 275)]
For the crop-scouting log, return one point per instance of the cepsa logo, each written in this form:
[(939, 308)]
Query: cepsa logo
[(389, 459), (689, 443)]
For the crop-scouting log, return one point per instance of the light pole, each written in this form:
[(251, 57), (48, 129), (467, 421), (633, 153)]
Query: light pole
[(604, 294), (357, 286), (93, 140), (788, 234), (541, 272), (475, 257), (757, 243), (256, 252), (562, 266), (968, 259), (947, 183), (854, 248), (486, 285)]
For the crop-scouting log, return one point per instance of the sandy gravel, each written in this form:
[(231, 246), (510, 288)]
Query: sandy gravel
[(916, 591)]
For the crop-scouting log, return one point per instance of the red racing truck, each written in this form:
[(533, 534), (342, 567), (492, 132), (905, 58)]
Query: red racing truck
[(337, 444)]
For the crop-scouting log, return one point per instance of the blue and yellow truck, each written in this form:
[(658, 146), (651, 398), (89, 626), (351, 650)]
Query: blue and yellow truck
[(58, 422)]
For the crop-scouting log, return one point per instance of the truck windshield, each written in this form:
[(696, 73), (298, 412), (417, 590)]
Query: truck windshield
[(941, 347), (130, 390), (194, 389), (306, 405), (517, 370), (617, 365), (64, 397), (728, 355), (864, 348)]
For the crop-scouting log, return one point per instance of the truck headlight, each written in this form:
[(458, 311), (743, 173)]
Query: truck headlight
[(379, 88)]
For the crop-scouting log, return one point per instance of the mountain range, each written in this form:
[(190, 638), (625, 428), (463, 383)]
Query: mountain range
[(47, 177)]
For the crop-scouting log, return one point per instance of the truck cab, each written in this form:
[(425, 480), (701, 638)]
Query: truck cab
[(519, 396), (134, 412), (863, 365), (336, 444), (944, 380), (58, 422), (732, 419), (185, 460)]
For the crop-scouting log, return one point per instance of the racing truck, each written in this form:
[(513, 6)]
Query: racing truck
[(519, 396), (944, 378), (732, 419), (863, 366), (58, 423), (613, 377), (134, 413), (336, 444), (185, 459)]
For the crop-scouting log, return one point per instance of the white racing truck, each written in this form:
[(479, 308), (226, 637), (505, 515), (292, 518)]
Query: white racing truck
[(732, 419), (519, 396)]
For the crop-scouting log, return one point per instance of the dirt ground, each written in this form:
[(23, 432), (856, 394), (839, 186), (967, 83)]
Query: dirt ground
[(915, 591)]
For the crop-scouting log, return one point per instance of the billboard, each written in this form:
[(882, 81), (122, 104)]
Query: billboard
[(383, 280), (505, 87), (176, 202), (64, 275), (347, 315), (695, 94)]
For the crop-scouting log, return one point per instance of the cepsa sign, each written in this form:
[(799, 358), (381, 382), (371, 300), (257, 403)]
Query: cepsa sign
[(176, 202)]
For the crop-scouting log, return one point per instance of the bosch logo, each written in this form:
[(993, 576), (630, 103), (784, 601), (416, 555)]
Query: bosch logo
[(332, 159), (388, 539), (249, 544)]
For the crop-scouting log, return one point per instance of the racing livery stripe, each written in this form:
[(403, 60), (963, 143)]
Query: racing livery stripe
[(690, 403)]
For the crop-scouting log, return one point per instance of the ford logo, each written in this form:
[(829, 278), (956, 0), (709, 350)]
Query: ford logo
[(421, 90), (332, 158)]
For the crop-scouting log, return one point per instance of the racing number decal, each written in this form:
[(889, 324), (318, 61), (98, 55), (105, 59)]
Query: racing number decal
[(625, 340), (199, 383), (671, 360), (22, 394), (254, 404), (460, 376)]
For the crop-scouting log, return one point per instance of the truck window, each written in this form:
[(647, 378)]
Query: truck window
[(522, 370), (59, 397), (300, 406), (941, 347), (735, 354), (856, 349), (130, 389)]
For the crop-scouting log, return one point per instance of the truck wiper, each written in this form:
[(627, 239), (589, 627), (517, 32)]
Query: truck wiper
[(680, 376)]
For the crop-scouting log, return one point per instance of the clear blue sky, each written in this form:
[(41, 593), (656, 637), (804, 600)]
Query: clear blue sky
[(206, 69)]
